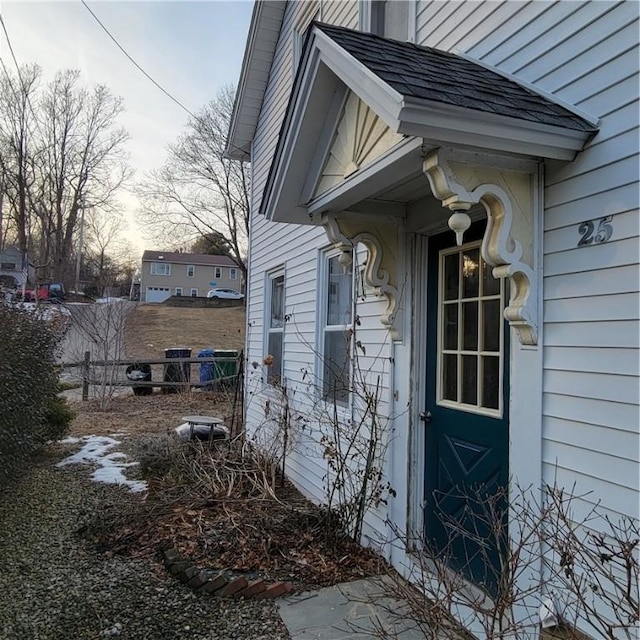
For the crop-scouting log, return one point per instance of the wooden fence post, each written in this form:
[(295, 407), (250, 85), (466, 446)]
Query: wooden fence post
[(85, 376)]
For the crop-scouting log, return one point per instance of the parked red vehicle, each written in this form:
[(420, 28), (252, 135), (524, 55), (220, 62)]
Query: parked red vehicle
[(49, 291)]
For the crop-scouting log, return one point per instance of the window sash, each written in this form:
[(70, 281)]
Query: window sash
[(275, 327), (160, 269), (336, 330), (191, 271)]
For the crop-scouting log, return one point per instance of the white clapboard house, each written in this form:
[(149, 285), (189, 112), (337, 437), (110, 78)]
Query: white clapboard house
[(444, 210)]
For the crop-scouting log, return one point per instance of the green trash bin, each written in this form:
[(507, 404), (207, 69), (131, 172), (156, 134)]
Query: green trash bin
[(226, 369)]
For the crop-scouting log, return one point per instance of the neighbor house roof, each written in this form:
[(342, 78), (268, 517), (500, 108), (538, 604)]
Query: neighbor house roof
[(425, 73), (188, 258)]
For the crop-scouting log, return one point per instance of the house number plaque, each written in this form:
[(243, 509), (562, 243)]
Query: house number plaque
[(595, 231)]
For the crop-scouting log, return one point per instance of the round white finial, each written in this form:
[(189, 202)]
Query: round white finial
[(459, 222)]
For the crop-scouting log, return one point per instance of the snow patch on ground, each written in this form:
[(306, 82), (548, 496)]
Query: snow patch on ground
[(111, 465)]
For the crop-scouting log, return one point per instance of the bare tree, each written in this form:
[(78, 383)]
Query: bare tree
[(60, 150), (18, 147), (198, 192), (83, 163)]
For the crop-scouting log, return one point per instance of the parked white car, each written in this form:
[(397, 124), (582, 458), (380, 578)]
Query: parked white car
[(225, 294)]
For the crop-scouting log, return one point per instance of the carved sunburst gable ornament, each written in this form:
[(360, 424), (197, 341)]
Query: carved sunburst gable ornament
[(508, 240), (361, 136)]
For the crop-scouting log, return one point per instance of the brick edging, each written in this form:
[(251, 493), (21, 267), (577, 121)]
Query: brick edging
[(219, 583)]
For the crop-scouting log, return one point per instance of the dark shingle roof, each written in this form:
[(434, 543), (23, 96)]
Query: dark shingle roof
[(188, 258), (439, 76)]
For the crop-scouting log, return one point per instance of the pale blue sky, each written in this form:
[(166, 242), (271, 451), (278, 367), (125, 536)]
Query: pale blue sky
[(190, 48)]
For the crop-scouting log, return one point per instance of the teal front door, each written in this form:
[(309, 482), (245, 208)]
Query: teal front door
[(466, 417)]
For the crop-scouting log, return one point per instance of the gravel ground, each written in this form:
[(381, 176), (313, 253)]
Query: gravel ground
[(54, 585)]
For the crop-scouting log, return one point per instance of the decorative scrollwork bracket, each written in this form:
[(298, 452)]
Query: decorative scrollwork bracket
[(380, 266), (509, 206)]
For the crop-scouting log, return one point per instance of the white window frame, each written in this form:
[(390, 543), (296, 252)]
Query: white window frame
[(322, 328), (178, 291), (193, 292), (166, 269), (366, 19), (217, 272), (233, 273), (271, 277), (191, 271)]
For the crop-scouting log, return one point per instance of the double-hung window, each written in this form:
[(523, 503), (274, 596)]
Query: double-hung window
[(275, 327), (160, 269), (178, 291), (191, 271), (336, 330), (194, 293), (233, 273), (217, 272)]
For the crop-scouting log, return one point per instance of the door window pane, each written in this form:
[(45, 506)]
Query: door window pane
[(450, 377), (490, 285), (470, 273), (490, 381), (470, 379), (451, 327), (491, 322), (451, 276), (470, 326)]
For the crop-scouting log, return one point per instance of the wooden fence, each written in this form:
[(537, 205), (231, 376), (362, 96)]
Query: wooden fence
[(183, 383)]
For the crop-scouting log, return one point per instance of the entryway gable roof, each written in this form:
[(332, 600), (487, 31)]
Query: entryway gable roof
[(424, 94), (425, 73)]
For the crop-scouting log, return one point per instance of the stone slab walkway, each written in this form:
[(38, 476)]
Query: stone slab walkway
[(349, 611)]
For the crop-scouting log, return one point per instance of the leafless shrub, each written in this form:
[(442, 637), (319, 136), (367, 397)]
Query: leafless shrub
[(583, 570)]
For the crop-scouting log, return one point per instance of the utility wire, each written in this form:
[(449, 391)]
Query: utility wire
[(22, 84), (13, 55), (193, 115), (135, 63)]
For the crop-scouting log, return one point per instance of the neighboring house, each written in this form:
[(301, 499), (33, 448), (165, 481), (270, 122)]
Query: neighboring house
[(365, 152), (11, 268), (166, 274)]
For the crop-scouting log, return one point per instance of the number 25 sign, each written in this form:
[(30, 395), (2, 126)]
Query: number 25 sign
[(595, 231)]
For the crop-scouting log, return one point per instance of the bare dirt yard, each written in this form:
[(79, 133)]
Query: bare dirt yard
[(153, 328)]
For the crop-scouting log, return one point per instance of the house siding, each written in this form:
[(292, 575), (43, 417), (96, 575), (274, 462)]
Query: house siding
[(305, 464), (585, 54)]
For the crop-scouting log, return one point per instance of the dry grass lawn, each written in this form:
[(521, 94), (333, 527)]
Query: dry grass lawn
[(153, 328)]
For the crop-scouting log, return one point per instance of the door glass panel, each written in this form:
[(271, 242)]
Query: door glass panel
[(490, 382), (451, 327), (470, 379), (490, 285), (450, 377), (470, 273), (451, 276), (491, 322), (470, 326), (470, 331)]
